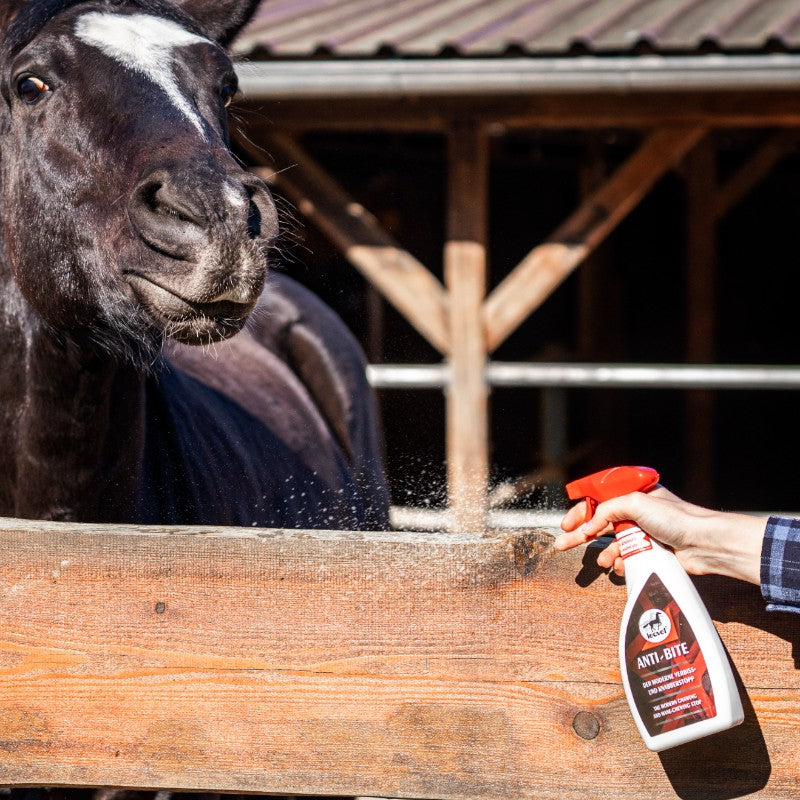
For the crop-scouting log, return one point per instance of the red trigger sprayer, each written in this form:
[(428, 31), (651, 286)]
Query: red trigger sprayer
[(609, 483), (675, 671)]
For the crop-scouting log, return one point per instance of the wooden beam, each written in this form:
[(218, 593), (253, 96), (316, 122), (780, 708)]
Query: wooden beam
[(403, 280), (753, 171), (467, 435), (549, 264), (553, 112), (655, 110), (356, 664)]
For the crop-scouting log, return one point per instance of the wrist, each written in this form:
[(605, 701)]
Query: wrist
[(731, 546)]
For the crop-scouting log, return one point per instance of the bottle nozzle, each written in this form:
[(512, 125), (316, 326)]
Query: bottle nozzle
[(609, 483)]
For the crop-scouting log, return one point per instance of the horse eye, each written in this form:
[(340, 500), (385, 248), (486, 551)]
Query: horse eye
[(228, 92), (30, 89)]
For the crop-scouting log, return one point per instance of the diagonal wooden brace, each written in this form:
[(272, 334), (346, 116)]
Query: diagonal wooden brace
[(778, 145), (535, 278), (406, 283)]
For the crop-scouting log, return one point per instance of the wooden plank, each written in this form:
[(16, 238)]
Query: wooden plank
[(566, 111), (705, 110), (386, 664), (467, 423), (535, 278), (403, 280)]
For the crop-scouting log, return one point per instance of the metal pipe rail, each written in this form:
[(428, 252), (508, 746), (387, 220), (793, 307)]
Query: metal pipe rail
[(467, 77), (629, 376)]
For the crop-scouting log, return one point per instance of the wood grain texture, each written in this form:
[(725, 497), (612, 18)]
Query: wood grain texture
[(730, 109), (389, 664), (465, 269)]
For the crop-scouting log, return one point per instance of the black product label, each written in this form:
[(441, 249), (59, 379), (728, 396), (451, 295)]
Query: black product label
[(666, 669)]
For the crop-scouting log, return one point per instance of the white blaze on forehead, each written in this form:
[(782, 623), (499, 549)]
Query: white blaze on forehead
[(144, 44)]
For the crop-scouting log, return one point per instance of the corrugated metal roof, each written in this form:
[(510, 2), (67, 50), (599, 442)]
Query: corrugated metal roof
[(480, 28)]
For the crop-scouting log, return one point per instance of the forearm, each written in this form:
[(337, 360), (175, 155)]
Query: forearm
[(730, 545), (764, 552)]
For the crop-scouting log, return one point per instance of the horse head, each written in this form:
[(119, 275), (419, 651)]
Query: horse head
[(123, 209)]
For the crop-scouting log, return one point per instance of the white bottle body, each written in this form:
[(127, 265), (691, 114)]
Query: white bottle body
[(677, 677)]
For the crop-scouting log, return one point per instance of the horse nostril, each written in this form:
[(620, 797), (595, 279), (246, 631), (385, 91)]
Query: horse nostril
[(181, 215), (253, 221), (165, 220), (161, 198), (261, 214), (146, 194)]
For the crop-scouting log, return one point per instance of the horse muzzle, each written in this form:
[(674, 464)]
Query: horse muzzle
[(180, 211), (204, 262)]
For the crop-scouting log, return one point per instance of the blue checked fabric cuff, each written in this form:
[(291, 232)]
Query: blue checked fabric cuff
[(780, 565)]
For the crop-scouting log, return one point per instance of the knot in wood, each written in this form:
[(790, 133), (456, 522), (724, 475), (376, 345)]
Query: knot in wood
[(528, 548), (586, 725)]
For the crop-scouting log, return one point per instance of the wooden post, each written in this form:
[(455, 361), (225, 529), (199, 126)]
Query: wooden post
[(701, 296), (593, 316), (375, 310), (706, 203), (467, 436)]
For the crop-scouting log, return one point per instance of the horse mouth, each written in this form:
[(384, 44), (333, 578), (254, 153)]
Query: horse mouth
[(190, 321)]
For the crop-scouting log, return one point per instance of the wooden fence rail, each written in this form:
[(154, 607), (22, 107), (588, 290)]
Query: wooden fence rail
[(385, 664)]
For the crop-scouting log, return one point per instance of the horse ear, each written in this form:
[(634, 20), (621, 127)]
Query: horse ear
[(8, 12), (221, 19)]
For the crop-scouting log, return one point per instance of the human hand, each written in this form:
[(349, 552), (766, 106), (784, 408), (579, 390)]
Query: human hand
[(704, 541)]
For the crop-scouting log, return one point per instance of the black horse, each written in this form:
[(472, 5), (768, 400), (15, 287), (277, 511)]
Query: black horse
[(129, 236)]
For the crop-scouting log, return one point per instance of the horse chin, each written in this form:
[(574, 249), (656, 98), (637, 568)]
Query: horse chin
[(200, 331), (188, 321)]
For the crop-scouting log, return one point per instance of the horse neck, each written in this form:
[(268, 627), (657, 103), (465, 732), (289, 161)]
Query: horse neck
[(71, 421)]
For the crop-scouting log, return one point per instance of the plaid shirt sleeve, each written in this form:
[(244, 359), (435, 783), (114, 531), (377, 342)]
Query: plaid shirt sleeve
[(780, 565)]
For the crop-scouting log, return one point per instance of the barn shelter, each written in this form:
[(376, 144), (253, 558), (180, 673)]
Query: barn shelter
[(539, 188), (520, 181)]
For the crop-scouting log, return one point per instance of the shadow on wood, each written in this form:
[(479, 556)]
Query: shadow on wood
[(735, 763), (378, 664)]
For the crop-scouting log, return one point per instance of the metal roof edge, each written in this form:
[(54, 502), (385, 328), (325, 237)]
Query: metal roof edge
[(463, 77)]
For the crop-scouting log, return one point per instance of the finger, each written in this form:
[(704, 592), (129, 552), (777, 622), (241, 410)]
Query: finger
[(570, 539), (582, 534), (608, 556), (625, 508), (619, 567), (575, 517)]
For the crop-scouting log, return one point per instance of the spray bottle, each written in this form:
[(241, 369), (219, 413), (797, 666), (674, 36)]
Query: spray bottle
[(675, 671)]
